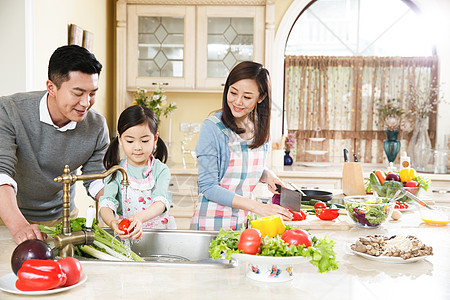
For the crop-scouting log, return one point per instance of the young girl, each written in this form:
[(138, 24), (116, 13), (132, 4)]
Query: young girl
[(231, 151), (148, 198)]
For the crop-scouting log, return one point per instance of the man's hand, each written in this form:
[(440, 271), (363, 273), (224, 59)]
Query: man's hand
[(28, 232)]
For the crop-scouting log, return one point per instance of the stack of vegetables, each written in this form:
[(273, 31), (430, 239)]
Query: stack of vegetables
[(270, 237), (105, 246), (386, 185), (32, 261)]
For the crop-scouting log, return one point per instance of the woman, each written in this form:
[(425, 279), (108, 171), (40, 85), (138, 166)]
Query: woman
[(231, 151)]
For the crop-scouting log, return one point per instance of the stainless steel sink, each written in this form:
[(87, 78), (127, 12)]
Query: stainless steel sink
[(187, 248)]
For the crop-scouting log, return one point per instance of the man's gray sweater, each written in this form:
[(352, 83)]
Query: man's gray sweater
[(33, 153)]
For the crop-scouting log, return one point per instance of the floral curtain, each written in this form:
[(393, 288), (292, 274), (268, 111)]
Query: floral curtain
[(336, 98)]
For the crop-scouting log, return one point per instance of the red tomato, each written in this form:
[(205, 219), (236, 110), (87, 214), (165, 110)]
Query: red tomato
[(401, 205), (124, 224), (412, 184), (72, 267), (250, 241), (297, 237)]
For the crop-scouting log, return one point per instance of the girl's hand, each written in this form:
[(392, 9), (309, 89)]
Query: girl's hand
[(135, 228), (114, 225)]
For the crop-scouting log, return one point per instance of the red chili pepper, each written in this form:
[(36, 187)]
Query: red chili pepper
[(40, 275), (324, 213), (298, 216)]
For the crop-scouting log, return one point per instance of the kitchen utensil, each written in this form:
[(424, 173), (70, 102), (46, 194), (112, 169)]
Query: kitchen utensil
[(297, 189), (317, 195), (345, 155), (352, 179), (341, 223), (289, 199), (313, 194), (396, 196), (355, 158), (415, 198)]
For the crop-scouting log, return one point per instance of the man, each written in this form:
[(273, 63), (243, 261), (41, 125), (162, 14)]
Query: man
[(40, 132)]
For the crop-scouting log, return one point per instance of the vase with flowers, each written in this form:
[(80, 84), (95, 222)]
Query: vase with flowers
[(391, 115), (289, 143), (156, 101), (422, 101)]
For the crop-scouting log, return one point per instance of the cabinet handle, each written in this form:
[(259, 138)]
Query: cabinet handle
[(223, 84), (161, 83)]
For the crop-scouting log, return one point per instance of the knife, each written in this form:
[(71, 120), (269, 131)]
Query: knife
[(355, 158), (345, 155), (289, 199)]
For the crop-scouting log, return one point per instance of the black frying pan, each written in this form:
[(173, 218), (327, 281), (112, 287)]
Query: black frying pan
[(313, 194), (317, 195)]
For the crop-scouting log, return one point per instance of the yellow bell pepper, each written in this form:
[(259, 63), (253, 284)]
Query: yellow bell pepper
[(407, 174), (269, 226)]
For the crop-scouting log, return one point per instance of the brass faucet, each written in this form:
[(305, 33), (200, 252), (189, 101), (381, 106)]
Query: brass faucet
[(67, 239)]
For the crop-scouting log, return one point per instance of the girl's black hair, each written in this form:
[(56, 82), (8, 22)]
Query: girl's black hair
[(261, 115), (133, 116)]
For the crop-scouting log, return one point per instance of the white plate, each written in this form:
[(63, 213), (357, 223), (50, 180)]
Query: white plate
[(8, 284), (411, 207), (316, 152), (316, 164), (388, 259), (269, 268)]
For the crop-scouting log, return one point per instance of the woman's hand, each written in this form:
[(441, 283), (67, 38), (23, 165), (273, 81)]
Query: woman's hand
[(267, 210), (271, 179)]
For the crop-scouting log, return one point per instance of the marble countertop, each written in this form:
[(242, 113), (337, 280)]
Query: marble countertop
[(356, 278)]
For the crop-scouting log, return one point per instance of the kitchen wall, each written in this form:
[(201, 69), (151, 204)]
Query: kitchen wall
[(30, 30)]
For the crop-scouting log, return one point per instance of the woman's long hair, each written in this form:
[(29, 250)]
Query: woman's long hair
[(261, 114), (133, 116)]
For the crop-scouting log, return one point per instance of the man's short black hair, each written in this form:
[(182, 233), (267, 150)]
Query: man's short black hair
[(71, 58)]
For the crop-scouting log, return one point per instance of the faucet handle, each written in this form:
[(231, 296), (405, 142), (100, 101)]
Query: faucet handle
[(90, 214)]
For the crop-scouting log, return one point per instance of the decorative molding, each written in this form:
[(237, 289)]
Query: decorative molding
[(199, 2)]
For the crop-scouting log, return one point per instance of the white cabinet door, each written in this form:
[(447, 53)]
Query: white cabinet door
[(227, 35), (161, 46)]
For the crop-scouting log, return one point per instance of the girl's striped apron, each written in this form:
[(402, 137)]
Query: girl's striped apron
[(243, 173)]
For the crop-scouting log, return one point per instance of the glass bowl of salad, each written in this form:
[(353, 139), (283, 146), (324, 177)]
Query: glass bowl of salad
[(368, 211)]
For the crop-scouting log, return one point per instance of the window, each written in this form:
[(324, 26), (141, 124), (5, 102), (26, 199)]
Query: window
[(342, 59)]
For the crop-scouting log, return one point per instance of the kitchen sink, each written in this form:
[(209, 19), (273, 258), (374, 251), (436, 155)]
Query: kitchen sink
[(188, 248)]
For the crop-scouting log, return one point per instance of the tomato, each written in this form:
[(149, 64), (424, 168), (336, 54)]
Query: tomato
[(298, 216), (250, 241), (72, 267), (401, 205), (123, 225), (412, 184), (297, 237)]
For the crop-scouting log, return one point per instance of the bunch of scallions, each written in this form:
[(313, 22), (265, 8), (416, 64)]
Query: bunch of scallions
[(105, 246)]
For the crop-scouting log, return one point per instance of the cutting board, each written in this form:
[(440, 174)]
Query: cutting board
[(313, 222)]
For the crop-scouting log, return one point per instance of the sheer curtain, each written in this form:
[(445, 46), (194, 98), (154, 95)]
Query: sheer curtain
[(335, 98)]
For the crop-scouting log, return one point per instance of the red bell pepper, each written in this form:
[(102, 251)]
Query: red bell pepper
[(40, 275), (324, 213), (298, 216)]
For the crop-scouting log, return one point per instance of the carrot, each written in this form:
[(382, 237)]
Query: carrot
[(380, 176)]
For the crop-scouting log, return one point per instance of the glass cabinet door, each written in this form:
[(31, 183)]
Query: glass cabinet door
[(227, 36), (159, 50)]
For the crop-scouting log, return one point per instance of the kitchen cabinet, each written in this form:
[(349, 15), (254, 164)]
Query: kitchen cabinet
[(161, 46), (190, 47)]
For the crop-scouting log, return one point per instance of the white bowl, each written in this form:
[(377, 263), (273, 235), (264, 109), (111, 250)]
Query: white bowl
[(269, 268), (438, 216)]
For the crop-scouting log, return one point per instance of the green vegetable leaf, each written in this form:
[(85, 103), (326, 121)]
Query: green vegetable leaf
[(424, 183)]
